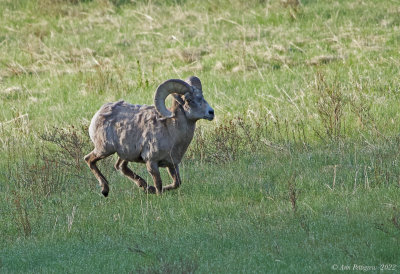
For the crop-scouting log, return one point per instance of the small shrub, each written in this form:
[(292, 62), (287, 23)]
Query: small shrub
[(66, 146)]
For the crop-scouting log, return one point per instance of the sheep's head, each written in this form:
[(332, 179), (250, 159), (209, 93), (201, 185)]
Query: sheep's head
[(188, 94)]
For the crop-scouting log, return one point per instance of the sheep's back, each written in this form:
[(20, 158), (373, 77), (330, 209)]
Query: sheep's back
[(130, 130)]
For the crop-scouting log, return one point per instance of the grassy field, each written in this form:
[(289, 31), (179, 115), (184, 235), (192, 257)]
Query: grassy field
[(298, 173)]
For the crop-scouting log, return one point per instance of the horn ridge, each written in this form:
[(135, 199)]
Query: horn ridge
[(168, 87)]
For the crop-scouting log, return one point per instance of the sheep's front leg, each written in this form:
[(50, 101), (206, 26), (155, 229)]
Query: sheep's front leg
[(152, 168), (176, 179)]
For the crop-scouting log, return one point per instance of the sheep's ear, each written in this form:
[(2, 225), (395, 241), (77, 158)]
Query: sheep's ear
[(178, 99)]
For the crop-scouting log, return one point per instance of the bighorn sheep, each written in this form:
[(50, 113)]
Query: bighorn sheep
[(152, 135)]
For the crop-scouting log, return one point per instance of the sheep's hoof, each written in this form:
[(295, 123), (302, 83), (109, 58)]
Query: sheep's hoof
[(104, 192), (150, 189)]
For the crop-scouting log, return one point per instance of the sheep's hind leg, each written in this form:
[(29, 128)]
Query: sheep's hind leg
[(174, 173), (122, 165), (91, 160)]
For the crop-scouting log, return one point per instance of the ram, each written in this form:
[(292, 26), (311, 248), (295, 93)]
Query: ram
[(153, 135)]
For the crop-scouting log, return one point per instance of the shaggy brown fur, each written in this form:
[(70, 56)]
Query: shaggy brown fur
[(143, 134)]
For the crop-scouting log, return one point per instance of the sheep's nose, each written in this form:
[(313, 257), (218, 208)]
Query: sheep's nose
[(211, 112)]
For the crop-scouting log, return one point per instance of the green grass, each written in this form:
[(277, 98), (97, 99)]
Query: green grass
[(299, 172)]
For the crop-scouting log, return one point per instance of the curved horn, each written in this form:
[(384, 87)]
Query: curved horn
[(194, 81), (170, 86)]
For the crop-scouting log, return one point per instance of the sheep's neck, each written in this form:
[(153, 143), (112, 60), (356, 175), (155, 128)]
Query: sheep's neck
[(182, 131)]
